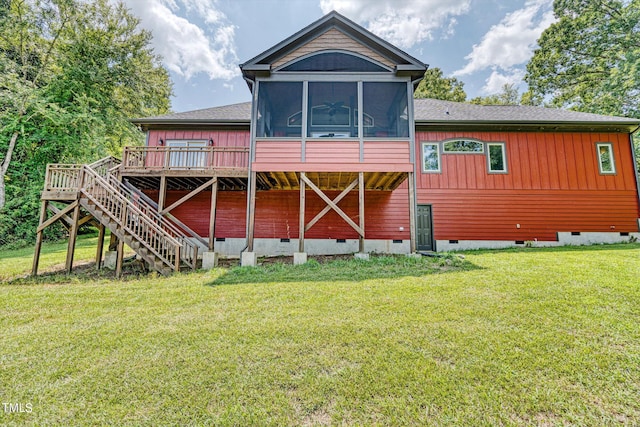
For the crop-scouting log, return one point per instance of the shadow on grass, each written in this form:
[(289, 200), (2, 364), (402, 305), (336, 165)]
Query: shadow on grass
[(377, 267)]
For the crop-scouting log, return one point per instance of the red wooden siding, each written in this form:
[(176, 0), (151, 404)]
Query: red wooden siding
[(277, 214), (278, 152), (553, 184), (331, 151), (332, 156), (223, 138)]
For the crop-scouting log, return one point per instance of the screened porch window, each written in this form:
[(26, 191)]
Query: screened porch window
[(331, 108), (385, 110), (279, 106)]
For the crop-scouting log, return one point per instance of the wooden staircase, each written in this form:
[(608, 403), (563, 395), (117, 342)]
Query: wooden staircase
[(127, 213)]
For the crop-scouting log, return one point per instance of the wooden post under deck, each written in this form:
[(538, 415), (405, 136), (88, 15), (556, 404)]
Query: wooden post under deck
[(252, 212), (73, 233), (36, 254), (212, 216), (302, 213), (162, 194), (101, 232), (412, 213), (119, 258), (361, 209)]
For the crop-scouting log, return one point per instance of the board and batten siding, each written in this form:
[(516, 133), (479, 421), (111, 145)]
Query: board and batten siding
[(553, 184), (277, 214)]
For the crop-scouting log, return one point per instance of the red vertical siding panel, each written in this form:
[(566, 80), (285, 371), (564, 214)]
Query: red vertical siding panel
[(542, 146), (561, 150)]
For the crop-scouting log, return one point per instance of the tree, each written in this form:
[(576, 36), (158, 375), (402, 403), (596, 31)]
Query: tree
[(71, 75), (508, 96), (436, 86), (589, 59)]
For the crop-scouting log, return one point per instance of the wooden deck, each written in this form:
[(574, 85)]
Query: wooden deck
[(184, 168)]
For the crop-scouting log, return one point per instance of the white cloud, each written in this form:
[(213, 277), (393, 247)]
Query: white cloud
[(185, 47), (496, 81), (512, 41), (401, 22)]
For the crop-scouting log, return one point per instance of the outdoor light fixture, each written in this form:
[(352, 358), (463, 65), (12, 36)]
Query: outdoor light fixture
[(160, 141), (210, 142)]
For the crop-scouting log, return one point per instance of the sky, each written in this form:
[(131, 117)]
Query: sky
[(483, 43)]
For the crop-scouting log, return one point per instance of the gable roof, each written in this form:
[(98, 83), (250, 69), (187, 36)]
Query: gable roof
[(434, 112), (428, 113), (405, 63)]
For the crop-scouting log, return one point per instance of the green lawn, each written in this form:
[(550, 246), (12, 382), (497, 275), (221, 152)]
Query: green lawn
[(520, 337)]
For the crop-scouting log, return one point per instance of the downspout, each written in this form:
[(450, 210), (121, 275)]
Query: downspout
[(251, 84), (414, 160)]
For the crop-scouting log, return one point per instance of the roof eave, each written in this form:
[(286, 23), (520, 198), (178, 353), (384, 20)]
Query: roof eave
[(626, 126)]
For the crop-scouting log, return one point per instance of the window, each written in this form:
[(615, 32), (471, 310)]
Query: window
[(331, 106), (334, 61), (332, 110), (279, 106), (606, 162), (463, 146), (430, 157), (187, 154), (385, 110), (496, 159)]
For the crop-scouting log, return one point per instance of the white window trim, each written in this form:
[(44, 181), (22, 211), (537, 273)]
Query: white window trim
[(503, 147), (444, 143), (439, 151), (187, 159), (609, 145)]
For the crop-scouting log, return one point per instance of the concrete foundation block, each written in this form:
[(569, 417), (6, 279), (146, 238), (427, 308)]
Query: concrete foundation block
[(299, 258), (110, 258), (414, 255), (361, 255), (209, 260), (249, 259)]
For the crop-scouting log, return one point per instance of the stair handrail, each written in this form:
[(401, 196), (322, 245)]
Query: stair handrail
[(190, 252), (104, 165), (125, 206), (106, 169)]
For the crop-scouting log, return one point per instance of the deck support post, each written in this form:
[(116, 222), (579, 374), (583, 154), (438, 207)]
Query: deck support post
[(162, 193), (36, 254), (101, 232), (119, 258), (361, 209), (302, 213), (212, 216), (412, 213), (252, 212), (73, 233)]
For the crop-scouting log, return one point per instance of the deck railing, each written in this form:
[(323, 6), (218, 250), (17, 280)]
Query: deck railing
[(62, 177), (132, 210), (184, 158)]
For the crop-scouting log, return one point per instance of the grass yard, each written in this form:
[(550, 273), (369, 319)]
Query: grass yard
[(516, 337)]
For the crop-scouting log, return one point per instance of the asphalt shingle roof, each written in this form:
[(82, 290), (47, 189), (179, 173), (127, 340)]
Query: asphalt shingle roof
[(426, 111)]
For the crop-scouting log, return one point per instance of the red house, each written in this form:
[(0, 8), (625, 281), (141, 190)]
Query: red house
[(334, 155)]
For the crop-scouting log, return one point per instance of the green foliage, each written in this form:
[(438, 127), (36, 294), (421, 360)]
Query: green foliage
[(436, 86), (508, 96), (589, 59), (72, 73)]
